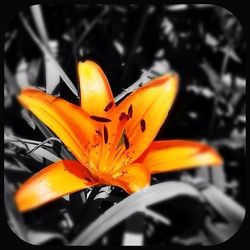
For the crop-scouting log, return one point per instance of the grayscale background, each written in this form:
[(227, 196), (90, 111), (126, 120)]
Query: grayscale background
[(204, 44)]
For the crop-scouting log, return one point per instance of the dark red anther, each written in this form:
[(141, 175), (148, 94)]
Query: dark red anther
[(143, 125), (109, 106), (126, 141), (130, 111), (123, 116), (100, 119), (105, 134)]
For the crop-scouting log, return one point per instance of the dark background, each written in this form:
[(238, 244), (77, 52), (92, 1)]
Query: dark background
[(129, 38)]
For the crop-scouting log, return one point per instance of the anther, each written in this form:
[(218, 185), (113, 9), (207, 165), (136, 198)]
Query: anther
[(123, 116), (109, 106), (105, 134), (126, 141), (130, 111), (100, 119), (143, 125)]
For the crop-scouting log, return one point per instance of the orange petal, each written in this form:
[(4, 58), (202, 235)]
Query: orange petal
[(52, 182), (163, 156), (149, 107), (96, 95), (69, 122), (131, 178)]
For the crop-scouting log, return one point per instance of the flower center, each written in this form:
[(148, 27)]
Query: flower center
[(111, 141)]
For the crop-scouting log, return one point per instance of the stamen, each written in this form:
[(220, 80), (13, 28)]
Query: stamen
[(130, 111), (105, 134), (117, 140), (143, 125), (109, 106), (123, 116), (120, 141), (100, 119), (126, 141)]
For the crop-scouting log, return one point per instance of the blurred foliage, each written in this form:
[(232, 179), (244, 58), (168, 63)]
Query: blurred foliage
[(204, 44)]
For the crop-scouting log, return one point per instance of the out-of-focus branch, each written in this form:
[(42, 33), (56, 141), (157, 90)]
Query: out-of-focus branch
[(136, 39), (87, 31), (91, 25), (42, 143)]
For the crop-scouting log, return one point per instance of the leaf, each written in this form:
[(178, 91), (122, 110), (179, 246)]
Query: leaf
[(36, 237), (46, 51), (47, 133), (225, 206), (130, 205), (156, 216), (16, 172), (36, 12), (217, 233), (215, 176), (218, 178), (27, 118), (52, 76), (42, 153), (8, 137)]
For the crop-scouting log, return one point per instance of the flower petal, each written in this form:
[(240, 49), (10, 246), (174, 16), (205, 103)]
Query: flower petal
[(131, 178), (52, 182), (96, 95), (69, 122), (163, 156), (147, 108)]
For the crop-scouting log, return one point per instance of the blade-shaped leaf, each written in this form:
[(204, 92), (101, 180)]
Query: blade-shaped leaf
[(47, 133), (46, 51), (233, 212), (130, 205), (43, 153), (41, 237), (27, 118)]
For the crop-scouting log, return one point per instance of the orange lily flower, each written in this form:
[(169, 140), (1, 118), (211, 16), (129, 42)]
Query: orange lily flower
[(113, 143)]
